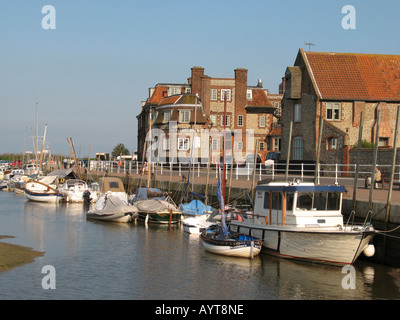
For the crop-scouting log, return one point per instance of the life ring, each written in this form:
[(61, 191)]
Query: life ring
[(62, 180)]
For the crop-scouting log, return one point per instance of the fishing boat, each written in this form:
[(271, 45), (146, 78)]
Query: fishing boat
[(43, 190), (113, 209), (233, 244), (304, 221)]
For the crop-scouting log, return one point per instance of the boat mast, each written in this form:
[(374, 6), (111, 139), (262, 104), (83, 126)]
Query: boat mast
[(41, 153), (149, 157), (223, 151)]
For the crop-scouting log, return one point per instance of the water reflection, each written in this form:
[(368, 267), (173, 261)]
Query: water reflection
[(101, 260)]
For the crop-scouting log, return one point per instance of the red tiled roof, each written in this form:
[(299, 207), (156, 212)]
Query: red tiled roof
[(260, 99), (158, 94), (354, 76)]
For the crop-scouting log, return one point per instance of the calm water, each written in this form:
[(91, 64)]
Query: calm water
[(96, 260)]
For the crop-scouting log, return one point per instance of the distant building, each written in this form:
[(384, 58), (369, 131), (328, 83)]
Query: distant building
[(338, 87), (247, 108)]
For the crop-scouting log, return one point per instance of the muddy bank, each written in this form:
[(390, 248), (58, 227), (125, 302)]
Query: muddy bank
[(12, 256)]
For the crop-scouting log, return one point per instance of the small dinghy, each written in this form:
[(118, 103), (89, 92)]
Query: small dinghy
[(112, 208), (218, 241)]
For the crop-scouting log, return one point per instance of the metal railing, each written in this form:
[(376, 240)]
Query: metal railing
[(326, 173)]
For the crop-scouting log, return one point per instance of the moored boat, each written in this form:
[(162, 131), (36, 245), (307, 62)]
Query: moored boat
[(42, 191), (303, 221), (232, 244), (158, 210), (113, 209)]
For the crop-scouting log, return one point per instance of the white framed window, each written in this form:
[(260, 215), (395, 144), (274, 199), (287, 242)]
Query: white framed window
[(167, 115), (184, 116), (183, 143), (228, 120), (261, 145), (239, 145), (276, 144), (174, 90), (188, 90), (166, 143), (215, 144), (214, 94), (262, 121), (228, 94), (249, 94), (297, 112), (331, 143), (213, 119), (333, 111), (240, 120), (297, 148)]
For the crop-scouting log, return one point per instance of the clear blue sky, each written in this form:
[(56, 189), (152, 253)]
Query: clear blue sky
[(91, 73)]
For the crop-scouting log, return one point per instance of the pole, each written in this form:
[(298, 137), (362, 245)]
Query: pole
[(318, 148), (389, 198), (358, 161), (288, 151), (371, 190), (223, 151)]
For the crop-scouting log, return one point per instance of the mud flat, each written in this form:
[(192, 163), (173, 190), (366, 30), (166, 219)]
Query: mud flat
[(12, 256)]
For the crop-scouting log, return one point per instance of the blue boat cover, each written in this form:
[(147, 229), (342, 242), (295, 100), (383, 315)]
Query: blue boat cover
[(195, 207)]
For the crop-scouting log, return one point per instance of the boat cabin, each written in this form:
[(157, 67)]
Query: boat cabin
[(298, 205)]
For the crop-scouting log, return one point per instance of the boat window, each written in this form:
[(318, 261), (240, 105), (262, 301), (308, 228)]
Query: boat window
[(289, 200), (277, 200), (333, 202), (318, 201), (266, 200), (304, 200), (113, 184)]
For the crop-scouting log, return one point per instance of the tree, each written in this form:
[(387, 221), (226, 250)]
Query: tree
[(120, 150)]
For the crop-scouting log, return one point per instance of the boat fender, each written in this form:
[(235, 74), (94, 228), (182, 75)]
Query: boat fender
[(369, 250)]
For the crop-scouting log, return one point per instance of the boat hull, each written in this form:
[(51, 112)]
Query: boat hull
[(160, 218), (42, 196), (195, 225), (333, 247), (240, 249), (126, 217)]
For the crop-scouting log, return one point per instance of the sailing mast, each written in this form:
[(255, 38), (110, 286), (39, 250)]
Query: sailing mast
[(149, 156), (223, 151)]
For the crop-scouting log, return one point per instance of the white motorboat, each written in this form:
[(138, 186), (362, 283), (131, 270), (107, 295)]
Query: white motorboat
[(195, 225), (43, 190), (303, 221), (73, 190), (112, 208)]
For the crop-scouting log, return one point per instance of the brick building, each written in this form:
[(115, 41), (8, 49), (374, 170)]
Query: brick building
[(247, 108), (338, 87)]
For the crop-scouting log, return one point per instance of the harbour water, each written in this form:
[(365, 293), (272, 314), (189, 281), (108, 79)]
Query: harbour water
[(96, 261)]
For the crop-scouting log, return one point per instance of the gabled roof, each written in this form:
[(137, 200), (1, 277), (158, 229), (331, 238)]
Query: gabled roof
[(354, 76)]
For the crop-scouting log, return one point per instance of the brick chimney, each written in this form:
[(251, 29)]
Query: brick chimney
[(240, 89), (197, 73)]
